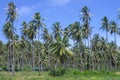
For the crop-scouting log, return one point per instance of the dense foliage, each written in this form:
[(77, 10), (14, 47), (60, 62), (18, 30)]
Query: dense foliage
[(39, 49)]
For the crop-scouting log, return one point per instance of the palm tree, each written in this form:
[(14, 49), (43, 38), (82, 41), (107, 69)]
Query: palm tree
[(7, 31), (31, 35), (77, 35), (105, 26), (38, 24), (11, 16), (48, 41), (24, 31), (57, 29), (114, 29), (85, 17), (60, 49)]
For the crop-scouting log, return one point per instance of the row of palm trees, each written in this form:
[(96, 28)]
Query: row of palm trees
[(36, 47)]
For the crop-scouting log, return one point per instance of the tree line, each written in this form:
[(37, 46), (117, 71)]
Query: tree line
[(37, 47)]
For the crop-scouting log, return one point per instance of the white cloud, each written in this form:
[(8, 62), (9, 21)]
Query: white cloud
[(118, 9), (24, 10), (59, 2)]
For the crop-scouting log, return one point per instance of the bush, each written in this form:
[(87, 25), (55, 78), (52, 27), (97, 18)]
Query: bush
[(57, 71), (76, 72), (26, 68), (18, 69), (4, 68)]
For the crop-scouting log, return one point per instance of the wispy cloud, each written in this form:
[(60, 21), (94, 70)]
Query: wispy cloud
[(24, 10), (59, 2)]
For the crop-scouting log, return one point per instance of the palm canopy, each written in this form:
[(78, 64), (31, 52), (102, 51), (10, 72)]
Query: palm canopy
[(85, 15), (60, 47), (46, 36), (114, 27), (105, 24), (31, 31), (11, 12), (24, 29), (8, 30), (76, 31), (57, 29), (38, 20)]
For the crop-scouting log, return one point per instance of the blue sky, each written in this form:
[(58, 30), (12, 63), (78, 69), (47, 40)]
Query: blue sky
[(64, 11)]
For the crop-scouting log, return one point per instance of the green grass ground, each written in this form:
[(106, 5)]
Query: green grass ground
[(69, 75)]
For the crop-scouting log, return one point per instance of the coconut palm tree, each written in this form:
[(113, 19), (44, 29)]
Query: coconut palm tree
[(11, 16), (48, 39), (57, 29), (105, 26), (60, 49), (31, 35), (7, 31), (114, 29), (77, 35), (38, 21), (85, 17), (24, 31)]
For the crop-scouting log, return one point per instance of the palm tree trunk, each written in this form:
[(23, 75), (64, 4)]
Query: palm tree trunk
[(8, 56), (39, 53), (90, 62), (22, 58), (49, 62), (88, 51), (115, 48), (115, 39), (106, 36), (13, 64), (26, 50), (39, 63), (33, 63), (80, 52), (109, 53)]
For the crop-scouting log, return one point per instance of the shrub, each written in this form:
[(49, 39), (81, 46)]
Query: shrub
[(4, 68), (26, 68), (59, 71), (76, 72)]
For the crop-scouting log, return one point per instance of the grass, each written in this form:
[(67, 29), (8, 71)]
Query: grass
[(69, 75)]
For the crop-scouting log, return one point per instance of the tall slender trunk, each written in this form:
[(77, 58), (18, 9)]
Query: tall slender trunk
[(22, 58), (80, 52), (33, 62), (49, 62), (8, 62), (90, 62), (115, 38), (13, 62), (110, 64), (107, 36), (39, 61), (88, 52), (115, 48), (39, 64), (26, 48)]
